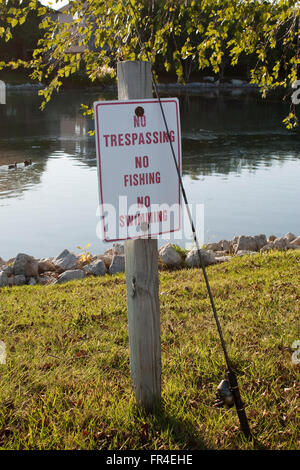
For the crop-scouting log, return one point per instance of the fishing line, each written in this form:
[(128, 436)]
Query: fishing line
[(231, 376)]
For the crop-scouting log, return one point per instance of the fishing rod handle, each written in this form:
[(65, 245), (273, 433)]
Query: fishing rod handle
[(234, 387)]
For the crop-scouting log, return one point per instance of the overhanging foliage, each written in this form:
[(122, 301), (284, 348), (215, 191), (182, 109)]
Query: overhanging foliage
[(178, 34)]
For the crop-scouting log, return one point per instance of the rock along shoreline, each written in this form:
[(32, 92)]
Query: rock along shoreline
[(67, 266)]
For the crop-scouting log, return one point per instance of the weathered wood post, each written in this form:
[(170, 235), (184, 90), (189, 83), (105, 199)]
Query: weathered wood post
[(135, 82)]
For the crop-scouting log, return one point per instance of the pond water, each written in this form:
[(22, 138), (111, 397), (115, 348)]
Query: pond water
[(238, 161)]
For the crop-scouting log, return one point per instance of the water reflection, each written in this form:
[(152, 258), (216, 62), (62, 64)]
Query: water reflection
[(225, 155), (14, 182), (234, 149), (222, 133), (28, 133), (227, 135)]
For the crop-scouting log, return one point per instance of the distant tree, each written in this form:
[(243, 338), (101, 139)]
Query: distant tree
[(25, 35), (179, 34)]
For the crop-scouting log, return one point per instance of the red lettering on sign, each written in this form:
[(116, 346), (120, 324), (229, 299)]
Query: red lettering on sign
[(156, 137), (127, 139), (139, 163), (120, 140), (148, 138), (113, 140), (139, 121), (140, 179), (141, 201), (134, 137)]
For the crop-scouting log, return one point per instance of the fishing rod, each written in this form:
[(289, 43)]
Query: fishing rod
[(228, 390)]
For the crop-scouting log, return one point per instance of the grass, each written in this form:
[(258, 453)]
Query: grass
[(66, 383), (181, 251)]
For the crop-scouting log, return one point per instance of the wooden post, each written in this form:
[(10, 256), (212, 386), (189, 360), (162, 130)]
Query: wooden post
[(135, 82)]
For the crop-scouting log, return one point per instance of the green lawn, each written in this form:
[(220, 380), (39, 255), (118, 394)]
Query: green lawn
[(66, 383)]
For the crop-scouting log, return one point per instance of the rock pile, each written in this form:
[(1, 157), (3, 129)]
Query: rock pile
[(67, 266)]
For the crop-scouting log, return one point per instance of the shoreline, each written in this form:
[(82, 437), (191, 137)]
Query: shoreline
[(24, 269), (210, 83)]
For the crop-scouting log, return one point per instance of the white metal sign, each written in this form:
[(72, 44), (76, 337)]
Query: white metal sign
[(138, 182)]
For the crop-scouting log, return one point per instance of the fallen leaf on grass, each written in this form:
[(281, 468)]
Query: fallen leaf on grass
[(81, 353)]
